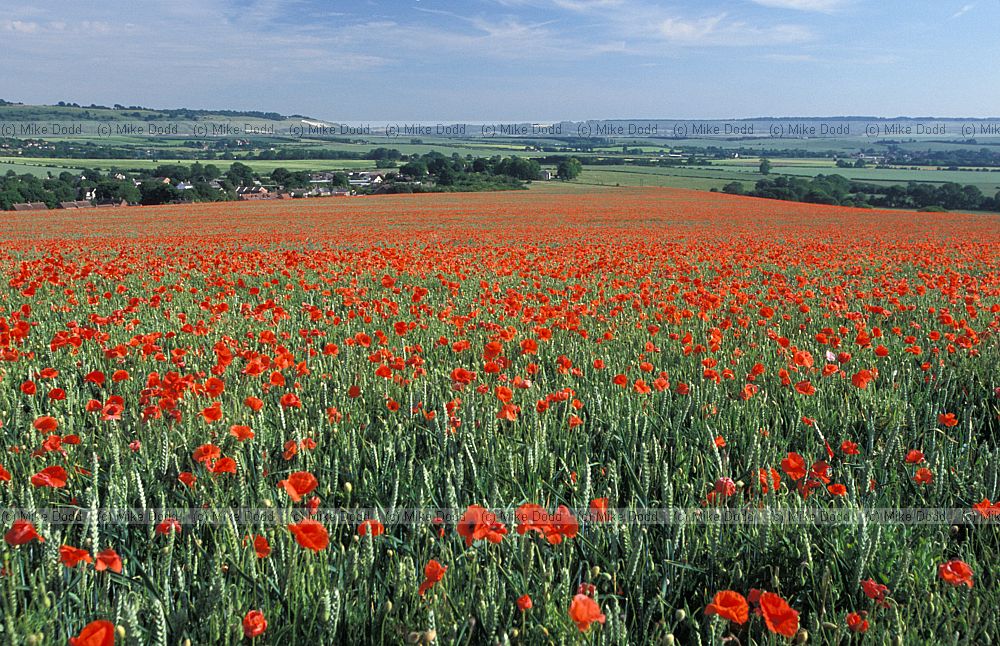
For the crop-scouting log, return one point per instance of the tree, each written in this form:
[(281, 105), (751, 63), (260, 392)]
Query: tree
[(413, 169), (280, 176), (765, 166), (569, 168), (157, 193), (240, 174), (734, 188)]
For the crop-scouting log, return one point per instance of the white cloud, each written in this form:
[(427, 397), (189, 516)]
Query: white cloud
[(587, 5), (19, 26), (964, 10), (791, 58), (720, 31), (822, 6)]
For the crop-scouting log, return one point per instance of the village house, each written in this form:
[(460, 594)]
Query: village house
[(252, 193), (31, 206), (109, 203), (76, 204), (365, 179)]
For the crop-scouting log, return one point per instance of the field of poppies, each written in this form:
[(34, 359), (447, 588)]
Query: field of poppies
[(499, 418)]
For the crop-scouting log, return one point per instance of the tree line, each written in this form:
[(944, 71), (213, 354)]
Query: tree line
[(430, 172), (838, 190)]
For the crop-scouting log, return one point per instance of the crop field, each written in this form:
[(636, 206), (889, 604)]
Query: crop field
[(724, 171), (552, 416)]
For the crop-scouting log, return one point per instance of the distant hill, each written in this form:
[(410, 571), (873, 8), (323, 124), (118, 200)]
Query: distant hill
[(11, 111)]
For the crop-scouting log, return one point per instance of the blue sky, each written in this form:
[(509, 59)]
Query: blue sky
[(510, 59)]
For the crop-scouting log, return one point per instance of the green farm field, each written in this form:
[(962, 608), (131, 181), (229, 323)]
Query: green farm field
[(572, 415)]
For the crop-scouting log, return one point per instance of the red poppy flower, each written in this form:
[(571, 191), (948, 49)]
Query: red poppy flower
[(72, 556), (599, 510), (168, 525), (477, 523), (371, 526), (778, 615), (254, 624), (299, 484), (584, 611), (876, 592), (206, 453), (187, 478), (729, 605), (96, 633), (433, 573), (984, 508), (947, 419), (46, 424), (914, 457), (108, 560), (794, 466), (95, 377), (223, 465), (290, 400), (509, 413), (310, 534), (856, 623), (261, 547), (956, 572), (923, 476), (21, 533), (805, 388), (241, 433), (54, 476), (213, 413), (524, 603), (862, 378)]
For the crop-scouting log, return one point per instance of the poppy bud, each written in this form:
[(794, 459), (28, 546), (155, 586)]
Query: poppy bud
[(829, 626), (802, 637), (515, 633), (390, 553), (897, 640), (32, 640), (348, 488), (954, 530), (413, 637), (186, 642), (388, 607), (680, 615), (430, 636), (595, 571), (669, 639), (47, 601), (268, 503)]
